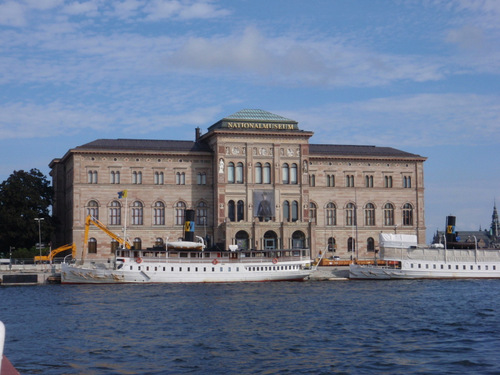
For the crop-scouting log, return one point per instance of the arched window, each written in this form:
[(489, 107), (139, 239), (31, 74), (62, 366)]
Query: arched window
[(159, 242), (312, 179), (286, 211), (298, 240), (350, 214), (137, 177), (242, 240), (295, 211), (349, 180), (270, 240), (258, 173), (115, 213), (330, 180), (159, 180), (113, 246), (92, 246), (137, 213), (180, 178), (159, 213), (240, 212), (137, 243), (388, 181), (294, 174), (114, 177), (92, 177), (202, 178), (312, 212), (351, 244), (332, 246), (239, 173), (370, 215), (388, 214), (230, 173), (407, 182), (369, 181), (285, 171), (407, 214), (180, 208), (267, 173), (202, 214), (370, 244), (331, 214), (231, 210), (93, 209)]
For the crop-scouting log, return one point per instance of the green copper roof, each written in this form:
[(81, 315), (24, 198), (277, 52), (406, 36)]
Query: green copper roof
[(256, 114)]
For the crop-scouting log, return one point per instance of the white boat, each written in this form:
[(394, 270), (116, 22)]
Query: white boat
[(404, 259), (184, 263)]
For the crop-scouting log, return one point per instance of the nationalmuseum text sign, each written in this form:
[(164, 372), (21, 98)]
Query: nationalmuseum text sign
[(259, 125)]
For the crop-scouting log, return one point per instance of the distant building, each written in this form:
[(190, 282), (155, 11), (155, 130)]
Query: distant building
[(486, 239), (253, 179)]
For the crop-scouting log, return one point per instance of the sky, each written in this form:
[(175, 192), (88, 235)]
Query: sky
[(422, 76)]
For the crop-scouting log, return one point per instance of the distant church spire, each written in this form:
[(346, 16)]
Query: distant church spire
[(495, 225)]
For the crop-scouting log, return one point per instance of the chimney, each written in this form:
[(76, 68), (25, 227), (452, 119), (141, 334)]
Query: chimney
[(197, 134)]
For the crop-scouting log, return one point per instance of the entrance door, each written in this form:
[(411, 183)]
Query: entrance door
[(269, 244)]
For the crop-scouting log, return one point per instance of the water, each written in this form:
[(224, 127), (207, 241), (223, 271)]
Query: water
[(361, 327)]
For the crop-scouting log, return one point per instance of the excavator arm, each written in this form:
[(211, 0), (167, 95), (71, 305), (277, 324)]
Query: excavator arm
[(53, 253), (92, 220)]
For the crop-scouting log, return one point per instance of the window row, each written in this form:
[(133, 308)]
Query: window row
[(351, 244), (236, 173), (368, 181), (137, 213), (291, 212), (136, 178), (350, 214)]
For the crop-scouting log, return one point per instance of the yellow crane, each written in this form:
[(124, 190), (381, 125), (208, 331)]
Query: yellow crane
[(92, 220), (53, 253)]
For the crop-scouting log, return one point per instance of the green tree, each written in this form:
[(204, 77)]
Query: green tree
[(25, 196)]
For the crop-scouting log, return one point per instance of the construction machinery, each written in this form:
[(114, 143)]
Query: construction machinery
[(92, 220), (53, 253)]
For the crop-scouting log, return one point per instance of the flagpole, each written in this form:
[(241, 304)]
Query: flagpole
[(126, 215)]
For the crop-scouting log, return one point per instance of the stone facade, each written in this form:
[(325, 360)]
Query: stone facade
[(314, 194)]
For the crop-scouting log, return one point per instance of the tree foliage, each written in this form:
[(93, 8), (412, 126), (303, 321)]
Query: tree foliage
[(25, 196)]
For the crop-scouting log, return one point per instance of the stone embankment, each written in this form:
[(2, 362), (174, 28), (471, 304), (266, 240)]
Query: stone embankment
[(323, 273), (29, 274)]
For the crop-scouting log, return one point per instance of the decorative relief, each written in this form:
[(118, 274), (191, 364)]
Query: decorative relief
[(221, 165)]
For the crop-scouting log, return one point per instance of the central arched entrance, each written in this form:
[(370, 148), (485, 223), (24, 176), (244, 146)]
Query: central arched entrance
[(270, 240), (298, 240), (241, 239)]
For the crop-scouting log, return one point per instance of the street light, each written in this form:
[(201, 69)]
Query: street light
[(39, 219)]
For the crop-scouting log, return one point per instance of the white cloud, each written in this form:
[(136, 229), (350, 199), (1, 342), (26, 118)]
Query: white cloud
[(127, 8), (12, 14), (43, 4), (291, 62), (417, 120), (165, 9), (77, 8)]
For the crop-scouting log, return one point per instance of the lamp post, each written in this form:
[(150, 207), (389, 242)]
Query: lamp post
[(39, 219), (10, 256)]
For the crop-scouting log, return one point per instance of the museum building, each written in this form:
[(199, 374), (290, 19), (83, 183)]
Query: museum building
[(253, 180)]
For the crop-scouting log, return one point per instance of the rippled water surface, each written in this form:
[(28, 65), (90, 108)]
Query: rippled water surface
[(362, 327)]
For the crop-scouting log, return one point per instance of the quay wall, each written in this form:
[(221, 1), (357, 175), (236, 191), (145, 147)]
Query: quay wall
[(29, 274)]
